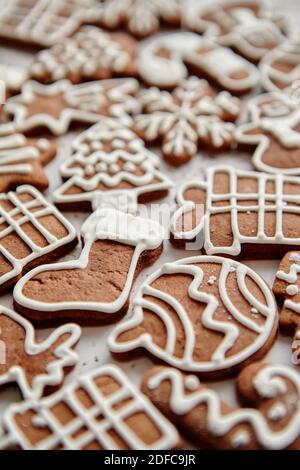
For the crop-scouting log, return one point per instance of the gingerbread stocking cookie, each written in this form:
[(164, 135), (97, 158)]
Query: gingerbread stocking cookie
[(271, 420), (95, 288), (206, 314), (34, 366)]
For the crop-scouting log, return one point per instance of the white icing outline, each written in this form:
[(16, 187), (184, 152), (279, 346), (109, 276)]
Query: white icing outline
[(290, 277)]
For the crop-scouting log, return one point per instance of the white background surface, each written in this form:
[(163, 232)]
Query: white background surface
[(92, 348)]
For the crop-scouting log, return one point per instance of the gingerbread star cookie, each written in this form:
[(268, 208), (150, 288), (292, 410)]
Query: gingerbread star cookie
[(34, 366), (271, 420), (110, 165), (206, 314), (189, 118)]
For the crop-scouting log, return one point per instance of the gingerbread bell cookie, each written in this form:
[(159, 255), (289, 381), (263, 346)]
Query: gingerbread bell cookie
[(190, 117), (274, 133), (206, 314), (239, 213), (34, 366), (270, 418), (95, 288), (246, 26)]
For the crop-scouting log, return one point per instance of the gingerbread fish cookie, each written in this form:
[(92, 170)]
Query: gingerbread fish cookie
[(246, 26), (95, 288), (206, 314), (274, 133), (101, 410), (167, 59), (239, 213), (110, 166), (32, 231), (34, 366), (189, 118), (91, 54), (271, 420)]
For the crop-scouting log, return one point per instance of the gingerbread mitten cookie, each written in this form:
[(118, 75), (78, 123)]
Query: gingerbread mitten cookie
[(33, 365), (247, 214), (192, 116), (110, 166), (32, 231), (95, 288), (270, 421), (206, 314)]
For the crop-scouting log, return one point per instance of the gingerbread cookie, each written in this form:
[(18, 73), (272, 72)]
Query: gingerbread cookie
[(101, 410), (32, 231), (55, 107), (95, 288), (13, 77), (190, 117), (110, 166), (244, 25), (91, 54), (34, 366), (166, 60), (274, 129), (239, 213), (206, 314), (271, 420)]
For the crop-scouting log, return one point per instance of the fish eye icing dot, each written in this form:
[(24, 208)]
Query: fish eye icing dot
[(175, 458)]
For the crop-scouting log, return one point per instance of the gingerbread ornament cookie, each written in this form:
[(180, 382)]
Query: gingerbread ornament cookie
[(206, 314), (242, 214), (91, 54), (274, 133), (191, 117), (110, 166), (271, 420), (95, 288), (34, 366), (167, 59)]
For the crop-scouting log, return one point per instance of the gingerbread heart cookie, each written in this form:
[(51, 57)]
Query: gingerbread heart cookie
[(239, 213), (191, 117), (206, 314), (110, 166), (271, 420), (34, 366), (95, 288), (32, 231)]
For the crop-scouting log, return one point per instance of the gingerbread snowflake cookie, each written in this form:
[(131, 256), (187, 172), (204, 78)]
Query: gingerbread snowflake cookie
[(247, 26), (55, 107), (192, 116), (167, 59), (239, 213), (110, 166), (271, 420), (274, 129), (32, 231), (91, 54), (209, 315), (34, 366)]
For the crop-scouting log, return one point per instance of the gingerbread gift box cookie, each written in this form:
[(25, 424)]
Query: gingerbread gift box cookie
[(95, 288), (270, 418), (206, 314)]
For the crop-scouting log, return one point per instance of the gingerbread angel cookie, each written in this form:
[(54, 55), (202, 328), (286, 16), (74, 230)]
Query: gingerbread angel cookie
[(110, 166), (192, 116), (274, 129), (239, 213), (55, 107), (91, 54), (167, 59), (95, 288), (101, 410), (246, 26), (270, 421), (32, 231), (34, 366), (206, 314)]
